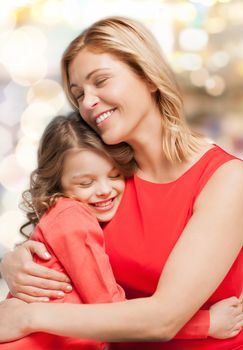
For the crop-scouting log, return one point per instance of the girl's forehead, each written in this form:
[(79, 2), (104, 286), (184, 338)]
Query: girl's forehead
[(89, 158)]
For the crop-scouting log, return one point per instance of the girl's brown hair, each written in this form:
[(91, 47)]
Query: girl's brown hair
[(133, 44), (60, 136)]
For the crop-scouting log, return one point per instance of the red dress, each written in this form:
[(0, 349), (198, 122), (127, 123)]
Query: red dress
[(143, 233)]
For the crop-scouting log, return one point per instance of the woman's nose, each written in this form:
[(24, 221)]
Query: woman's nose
[(90, 100)]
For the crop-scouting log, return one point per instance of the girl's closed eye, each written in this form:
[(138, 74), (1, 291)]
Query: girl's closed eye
[(115, 175), (86, 183)]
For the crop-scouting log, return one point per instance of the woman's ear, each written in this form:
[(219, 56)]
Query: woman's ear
[(152, 87)]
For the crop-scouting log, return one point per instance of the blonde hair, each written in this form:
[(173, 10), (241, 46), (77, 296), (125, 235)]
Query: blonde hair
[(134, 45)]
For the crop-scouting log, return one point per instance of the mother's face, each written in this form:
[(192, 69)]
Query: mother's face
[(112, 99)]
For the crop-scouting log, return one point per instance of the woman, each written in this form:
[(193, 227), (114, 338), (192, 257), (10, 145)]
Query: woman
[(175, 244)]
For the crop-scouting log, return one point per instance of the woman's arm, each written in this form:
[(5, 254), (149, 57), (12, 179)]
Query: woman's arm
[(81, 251), (202, 257)]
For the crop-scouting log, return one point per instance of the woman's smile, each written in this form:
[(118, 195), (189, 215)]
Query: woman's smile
[(111, 86), (103, 117)]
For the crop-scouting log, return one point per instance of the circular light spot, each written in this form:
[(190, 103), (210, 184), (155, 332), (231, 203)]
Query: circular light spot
[(48, 91), (12, 175), (27, 44), (215, 85), (192, 39), (199, 77), (35, 118), (10, 223), (26, 153), (6, 142)]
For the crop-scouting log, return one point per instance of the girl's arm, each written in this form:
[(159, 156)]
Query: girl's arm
[(201, 258), (80, 249)]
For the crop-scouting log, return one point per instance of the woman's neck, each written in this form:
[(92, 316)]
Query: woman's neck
[(152, 163), (156, 168)]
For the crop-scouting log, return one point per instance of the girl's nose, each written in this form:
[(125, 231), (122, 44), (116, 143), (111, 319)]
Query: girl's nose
[(103, 189)]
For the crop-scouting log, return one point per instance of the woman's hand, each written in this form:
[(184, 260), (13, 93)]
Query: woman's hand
[(226, 318), (29, 281), (13, 320)]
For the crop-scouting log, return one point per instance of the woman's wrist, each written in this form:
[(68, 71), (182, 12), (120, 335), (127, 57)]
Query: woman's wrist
[(31, 318)]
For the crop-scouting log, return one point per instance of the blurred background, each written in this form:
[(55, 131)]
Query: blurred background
[(202, 40)]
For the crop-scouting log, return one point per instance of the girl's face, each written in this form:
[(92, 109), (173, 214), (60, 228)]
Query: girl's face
[(112, 99), (94, 180)]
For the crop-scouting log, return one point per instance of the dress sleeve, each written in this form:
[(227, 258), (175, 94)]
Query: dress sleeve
[(197, 327), (77, 241)]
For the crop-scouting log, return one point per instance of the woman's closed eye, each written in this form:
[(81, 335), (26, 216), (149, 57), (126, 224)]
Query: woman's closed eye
[(79, 96), (100, 82)]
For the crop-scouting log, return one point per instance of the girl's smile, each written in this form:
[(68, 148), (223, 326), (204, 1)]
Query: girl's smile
[(94, 180)]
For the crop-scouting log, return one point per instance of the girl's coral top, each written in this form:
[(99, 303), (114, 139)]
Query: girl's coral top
[(75, 241), (146, 227)]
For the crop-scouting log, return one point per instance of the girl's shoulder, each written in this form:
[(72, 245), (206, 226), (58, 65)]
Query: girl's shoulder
[(65, 207)]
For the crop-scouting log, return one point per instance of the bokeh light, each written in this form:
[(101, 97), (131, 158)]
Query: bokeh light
[(215, 85), (26, 153), (199, 77), (48, 91), (35, 118), (28, 45), (192, 39), (10, 222), (6, 141), (13, 176)]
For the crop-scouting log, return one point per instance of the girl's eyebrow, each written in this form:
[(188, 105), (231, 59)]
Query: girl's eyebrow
[(88, 76), (78, 176)]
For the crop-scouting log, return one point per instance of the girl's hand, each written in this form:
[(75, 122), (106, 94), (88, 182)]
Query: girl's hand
[(29, 281), (226, 318), (13, 320)]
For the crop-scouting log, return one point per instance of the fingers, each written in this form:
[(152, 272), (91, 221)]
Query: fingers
[(40, 294), (237, 310), (238, 325), (234, 333), (37, 248), (33, 269), (241, 298), (29, 299), (40, 287), (233, 301)]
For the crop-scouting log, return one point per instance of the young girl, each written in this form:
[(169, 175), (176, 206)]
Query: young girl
[(78, 181)]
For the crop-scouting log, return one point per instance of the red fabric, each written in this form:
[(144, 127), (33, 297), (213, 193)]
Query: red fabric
[(75, 240), (146, 227), (197, 327)]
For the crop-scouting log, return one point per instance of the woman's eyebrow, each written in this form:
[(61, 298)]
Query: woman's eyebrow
[(88, 76)]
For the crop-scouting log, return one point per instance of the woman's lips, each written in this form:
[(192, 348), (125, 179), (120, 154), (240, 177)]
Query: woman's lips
[(102, 118)]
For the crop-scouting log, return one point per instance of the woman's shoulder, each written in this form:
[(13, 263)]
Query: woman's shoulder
[(230, 171), (225, 183)]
